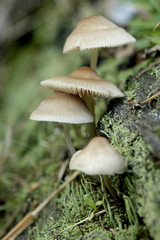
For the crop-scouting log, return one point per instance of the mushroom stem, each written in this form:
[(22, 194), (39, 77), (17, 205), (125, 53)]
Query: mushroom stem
[(110, 188), (91, 130), (68, 139), (90, 104), (94, 58), (90, 100)]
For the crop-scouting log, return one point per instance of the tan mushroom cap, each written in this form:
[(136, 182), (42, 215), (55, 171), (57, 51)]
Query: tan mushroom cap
[(64, 108), (83, 81), (96, 32), (98, 157)]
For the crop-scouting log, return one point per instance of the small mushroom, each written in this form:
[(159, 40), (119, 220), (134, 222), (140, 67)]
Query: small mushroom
[(83, 81), (64, 108), (96, 32), (99, 158), (87, 83)]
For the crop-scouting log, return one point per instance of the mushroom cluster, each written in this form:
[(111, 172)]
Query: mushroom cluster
[(73, 99), (72, 102), (85, 83)]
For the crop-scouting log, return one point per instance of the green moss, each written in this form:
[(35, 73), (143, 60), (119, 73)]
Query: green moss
[(131, 233), (140, 171), (71, 208), (127, 133), (77, 202), (118, 71)]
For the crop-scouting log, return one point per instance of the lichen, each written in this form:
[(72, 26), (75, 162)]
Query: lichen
[(126, 129)]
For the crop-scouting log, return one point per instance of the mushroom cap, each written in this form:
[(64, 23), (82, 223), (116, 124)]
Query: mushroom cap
[(83, 81), (64, 108), (98, 157), (96, 32)]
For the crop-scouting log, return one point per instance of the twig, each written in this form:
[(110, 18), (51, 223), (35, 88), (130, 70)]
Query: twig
[(10, 221), (158, 24), (148, 68), (63, 169), (149, 99), (78, 223), (29, 218)]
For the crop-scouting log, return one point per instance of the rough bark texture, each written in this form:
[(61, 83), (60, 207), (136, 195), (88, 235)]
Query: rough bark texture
[(135, 131)]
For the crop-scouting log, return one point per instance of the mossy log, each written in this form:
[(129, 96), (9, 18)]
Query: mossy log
[(134, 129)]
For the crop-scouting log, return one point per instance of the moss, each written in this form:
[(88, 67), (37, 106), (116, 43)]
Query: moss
[(118, 71), (70, 208), (131, 233), (75, 203), (127, 133)]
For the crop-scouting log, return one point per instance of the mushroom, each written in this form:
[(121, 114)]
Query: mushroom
[(84, 82), (64, 108), (96, 32), (99, 158)]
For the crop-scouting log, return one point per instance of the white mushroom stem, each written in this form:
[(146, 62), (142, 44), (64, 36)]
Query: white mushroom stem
[(111, 188), (91, 130), (90, 100), (90, 104), (94, 58), (68, 139)]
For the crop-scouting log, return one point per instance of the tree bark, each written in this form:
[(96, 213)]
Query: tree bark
[(134, 129)]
